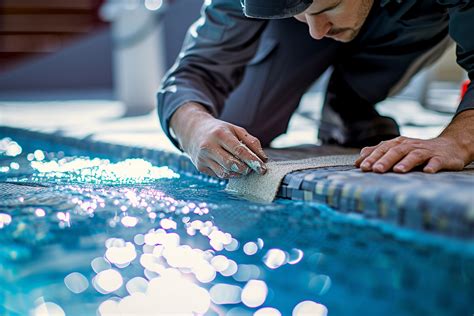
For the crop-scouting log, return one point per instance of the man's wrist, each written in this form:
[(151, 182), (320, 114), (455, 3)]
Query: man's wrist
[(461, 130), (183, 118)]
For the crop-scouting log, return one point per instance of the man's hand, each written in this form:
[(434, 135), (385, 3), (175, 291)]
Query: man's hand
[(452, 150), (215, 147)]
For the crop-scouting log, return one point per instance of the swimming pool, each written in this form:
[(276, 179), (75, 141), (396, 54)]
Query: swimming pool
[(83, 234)]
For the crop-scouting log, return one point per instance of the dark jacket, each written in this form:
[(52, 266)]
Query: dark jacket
[(220, 44)]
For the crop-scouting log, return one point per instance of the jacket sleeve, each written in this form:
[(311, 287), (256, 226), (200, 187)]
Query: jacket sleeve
[(461, 26), (212, 60)]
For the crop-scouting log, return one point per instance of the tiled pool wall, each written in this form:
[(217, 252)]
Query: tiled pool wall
[(390, 198), (441, 203)]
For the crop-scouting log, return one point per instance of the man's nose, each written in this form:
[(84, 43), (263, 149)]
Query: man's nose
[(319, 26)]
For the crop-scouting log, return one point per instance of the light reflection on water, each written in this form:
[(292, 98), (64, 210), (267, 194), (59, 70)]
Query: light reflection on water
[(130, 238), (9, 147), (100, 171)]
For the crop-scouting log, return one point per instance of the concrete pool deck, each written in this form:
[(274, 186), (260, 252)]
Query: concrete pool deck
[(96, 116), (442, 203)]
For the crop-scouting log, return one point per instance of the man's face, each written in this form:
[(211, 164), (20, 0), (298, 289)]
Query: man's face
[(340, 20)]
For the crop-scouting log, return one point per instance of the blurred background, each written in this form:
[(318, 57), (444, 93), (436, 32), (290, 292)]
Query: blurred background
[(68, 48), (119, 50)]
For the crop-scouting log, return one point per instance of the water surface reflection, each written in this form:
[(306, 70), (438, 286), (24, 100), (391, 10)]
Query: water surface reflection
[(101, 237)]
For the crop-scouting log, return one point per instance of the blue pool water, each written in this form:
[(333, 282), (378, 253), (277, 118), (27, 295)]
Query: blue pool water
[(95, 236)]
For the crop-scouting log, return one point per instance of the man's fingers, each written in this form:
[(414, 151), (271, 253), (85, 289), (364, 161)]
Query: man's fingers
[(364, 153), (225, 154), (251, 142), (403, 154), (221, 172), (392, 156), (248, 157), (210, 167), (218, 170), (208, 171), (411, 160), (437, 163), (242, 152), (434, 165), (376, 154), (229, 162)]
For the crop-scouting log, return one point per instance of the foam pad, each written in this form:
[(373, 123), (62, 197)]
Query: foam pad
[(264, 188)]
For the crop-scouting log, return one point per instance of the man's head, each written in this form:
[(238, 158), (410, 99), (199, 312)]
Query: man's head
[(337, 19)]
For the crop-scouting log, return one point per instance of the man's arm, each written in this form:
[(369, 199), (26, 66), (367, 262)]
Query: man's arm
[(211, 64), (454, 148)]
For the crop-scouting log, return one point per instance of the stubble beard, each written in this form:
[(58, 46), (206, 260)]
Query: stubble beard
[(362, 14)]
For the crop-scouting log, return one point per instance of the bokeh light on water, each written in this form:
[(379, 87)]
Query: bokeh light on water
[(9, 147), (76, 282), (5, 219)]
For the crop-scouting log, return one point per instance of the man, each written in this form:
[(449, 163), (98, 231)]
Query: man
[(245, 65)]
